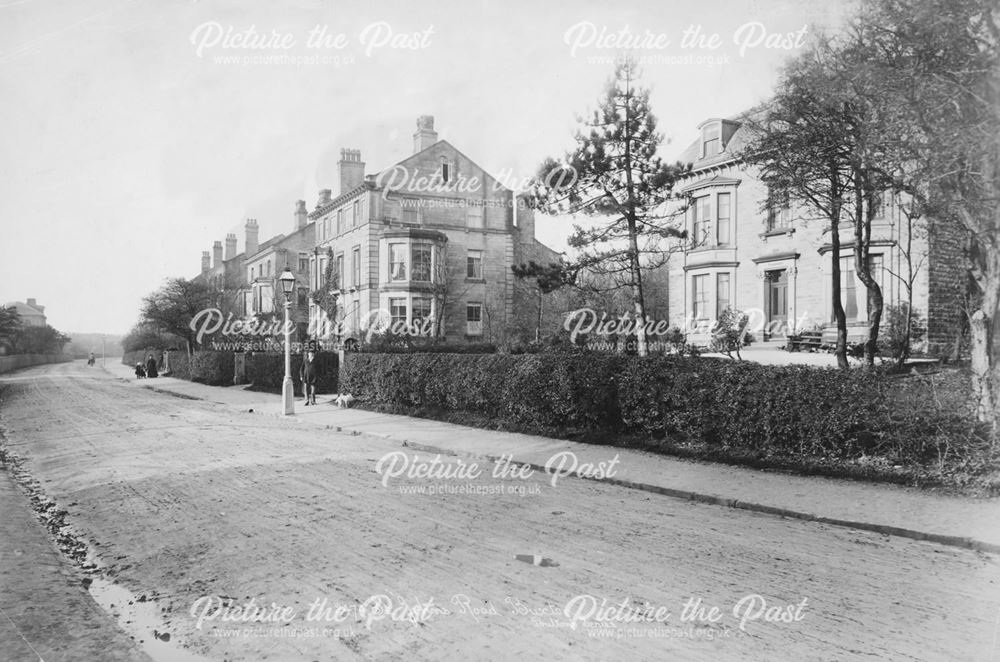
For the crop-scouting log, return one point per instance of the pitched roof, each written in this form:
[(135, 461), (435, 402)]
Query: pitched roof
[(371, 180), (23, 309)]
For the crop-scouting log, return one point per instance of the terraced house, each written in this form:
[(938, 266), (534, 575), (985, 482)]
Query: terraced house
[(424, 246), (771, 259), (261, 293)]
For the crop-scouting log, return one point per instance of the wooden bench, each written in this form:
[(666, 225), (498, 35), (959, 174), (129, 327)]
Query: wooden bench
[(807, 340)]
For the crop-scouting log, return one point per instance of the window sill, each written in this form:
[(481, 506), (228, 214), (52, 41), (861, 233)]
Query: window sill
[(714, 247), (777, 232), (475, 280)]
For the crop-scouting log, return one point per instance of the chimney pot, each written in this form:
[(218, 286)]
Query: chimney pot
[(325, 196), (352, 170), (301, 215), (251, 237), (425, 135)]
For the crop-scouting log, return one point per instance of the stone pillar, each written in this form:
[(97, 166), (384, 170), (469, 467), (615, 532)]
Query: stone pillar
[(239, 368)]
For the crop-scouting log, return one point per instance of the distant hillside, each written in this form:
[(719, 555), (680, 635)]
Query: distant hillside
[(82, 344)]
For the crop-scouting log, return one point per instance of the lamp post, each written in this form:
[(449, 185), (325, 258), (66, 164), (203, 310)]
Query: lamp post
[(287, 280)]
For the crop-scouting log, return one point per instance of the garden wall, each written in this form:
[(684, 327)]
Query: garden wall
[(17, 361)]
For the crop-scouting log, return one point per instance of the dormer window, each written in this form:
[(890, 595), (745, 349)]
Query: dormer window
[(711, 139)]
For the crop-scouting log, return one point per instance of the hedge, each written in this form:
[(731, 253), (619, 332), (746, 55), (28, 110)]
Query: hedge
[(214, 368), (266, 371), (427, 348), (180, 365), (718, 404)]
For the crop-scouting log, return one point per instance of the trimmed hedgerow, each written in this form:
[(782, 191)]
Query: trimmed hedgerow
[(731, 404), (214, 368), (536, 391), (727, 408), (266, 372), (180, 365)]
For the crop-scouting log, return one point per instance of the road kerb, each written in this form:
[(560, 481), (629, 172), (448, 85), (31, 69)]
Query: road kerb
[(688, 495)]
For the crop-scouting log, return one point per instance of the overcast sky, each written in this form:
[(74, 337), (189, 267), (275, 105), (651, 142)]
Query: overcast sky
[(128, 146)]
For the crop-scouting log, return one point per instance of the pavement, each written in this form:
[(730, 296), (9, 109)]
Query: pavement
[(882, 508)]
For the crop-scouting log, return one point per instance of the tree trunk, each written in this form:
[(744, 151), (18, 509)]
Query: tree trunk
[(904, 352), (640, 309), (864, 211), (538, 323), (985, 340), (838, 306)]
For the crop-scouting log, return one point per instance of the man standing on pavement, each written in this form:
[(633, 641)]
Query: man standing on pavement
[(308, 373)]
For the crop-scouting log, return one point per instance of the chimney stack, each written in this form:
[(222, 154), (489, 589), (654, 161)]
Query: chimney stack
[(325, 196), (352, 170), (425, 135), (31, 302), (251, 231), (206, 261), (217, 254), (230, 246), (301, 215)]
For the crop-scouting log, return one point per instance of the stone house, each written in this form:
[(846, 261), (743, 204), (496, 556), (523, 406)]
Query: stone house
[(222, 269), (30, 312), (772, 260), (424, 247), (262, 293)]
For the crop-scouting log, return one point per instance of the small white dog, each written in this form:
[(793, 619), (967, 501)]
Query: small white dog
[(344, 400)]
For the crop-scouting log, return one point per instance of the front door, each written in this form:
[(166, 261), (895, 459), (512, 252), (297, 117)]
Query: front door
[(777, 302)]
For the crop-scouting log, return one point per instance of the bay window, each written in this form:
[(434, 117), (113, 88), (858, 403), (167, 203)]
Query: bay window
[(397, 261), (722, 226), (699, 297), (421, 259)]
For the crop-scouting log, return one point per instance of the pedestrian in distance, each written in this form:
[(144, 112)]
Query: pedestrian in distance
[(90, 361), (151, 367), (308, 374), (140, 372)]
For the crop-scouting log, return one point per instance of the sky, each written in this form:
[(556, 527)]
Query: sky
[(135, 133)]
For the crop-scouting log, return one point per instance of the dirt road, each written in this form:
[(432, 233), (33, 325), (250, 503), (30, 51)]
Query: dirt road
[(255, 538)]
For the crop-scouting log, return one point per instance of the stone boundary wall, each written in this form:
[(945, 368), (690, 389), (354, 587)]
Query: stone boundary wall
[(16, 361)]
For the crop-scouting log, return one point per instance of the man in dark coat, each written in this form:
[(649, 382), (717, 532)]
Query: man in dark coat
[(309, 373), (151, 366)]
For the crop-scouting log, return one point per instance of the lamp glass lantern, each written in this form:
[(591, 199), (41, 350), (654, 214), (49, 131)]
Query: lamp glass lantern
[(287, 280)]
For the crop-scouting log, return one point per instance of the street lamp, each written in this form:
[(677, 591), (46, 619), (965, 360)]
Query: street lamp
[(287, 280)]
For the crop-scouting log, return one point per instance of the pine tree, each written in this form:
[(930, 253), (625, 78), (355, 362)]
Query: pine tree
[(615, 176)]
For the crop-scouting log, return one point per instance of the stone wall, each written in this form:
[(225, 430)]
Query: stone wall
[(947, 271), (17, 361)]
